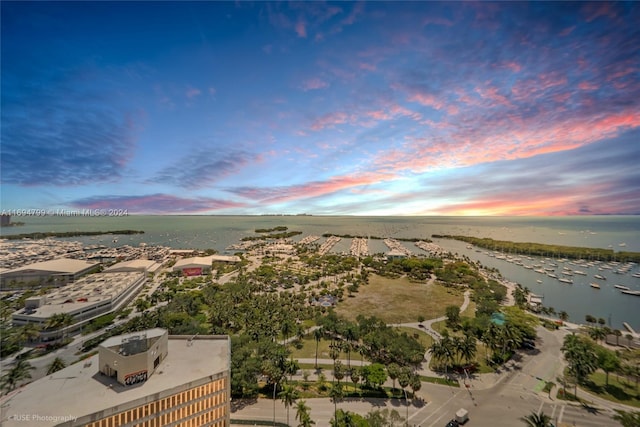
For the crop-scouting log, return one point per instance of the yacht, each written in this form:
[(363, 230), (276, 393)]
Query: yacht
[(597, 276), (594, 285), (581, 273), (563, 280), (636, 293), (621, 287)]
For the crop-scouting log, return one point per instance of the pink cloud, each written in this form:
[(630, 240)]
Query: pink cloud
[(192, 93), (314, 84), (567, 31), (330, 120), (587, 86), (491, 93), (436, 20), (313, 189), (507, 139), (156, 204), (367, 66), (301, 29)]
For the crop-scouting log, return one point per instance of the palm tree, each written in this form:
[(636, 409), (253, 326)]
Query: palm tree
[(317, 335), (336, 394), (468, 348), (289, 395), (355, 377), (627, 419), (56, 365), (28, 332), (563, 315), (302, 414), (535, 420), (19, 372), (59, 321)]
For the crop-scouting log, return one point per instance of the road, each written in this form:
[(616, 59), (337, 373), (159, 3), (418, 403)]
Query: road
[(496, 400)]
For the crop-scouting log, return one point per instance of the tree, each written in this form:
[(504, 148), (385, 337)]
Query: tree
[(608, 361), (563, 315), (453, 315), (355, 377), (336, 394), (415, 384), (288, 395), (537, 420), (56, 365), (59, 321), (317, 335), (627, 419), (597, 334), (374, 375), (384, 418), (338, 370), (302, 414), (28, 332), (20, 371), (393, 370), (580, 356)]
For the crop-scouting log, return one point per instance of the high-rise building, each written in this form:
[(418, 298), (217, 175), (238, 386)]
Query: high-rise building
[(147, 379)]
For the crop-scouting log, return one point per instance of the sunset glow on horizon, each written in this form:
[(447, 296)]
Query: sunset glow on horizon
[(347, 108)]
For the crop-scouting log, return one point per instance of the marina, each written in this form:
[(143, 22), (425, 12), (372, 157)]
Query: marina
[(225, 233)]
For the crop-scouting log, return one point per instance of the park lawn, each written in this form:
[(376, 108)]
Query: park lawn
[(618, 390), (399, 300), (308, 350), (424, 338)]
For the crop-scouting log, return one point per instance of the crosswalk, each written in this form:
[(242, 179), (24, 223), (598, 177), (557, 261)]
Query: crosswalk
[(578, 416)]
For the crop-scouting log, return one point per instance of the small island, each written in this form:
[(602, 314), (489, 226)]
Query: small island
[(45, 234)]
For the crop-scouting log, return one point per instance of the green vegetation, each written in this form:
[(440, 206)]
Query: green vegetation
[(356, 236), (269, 230), (45, 234), (544, 250), (282, 235), (398, 300)]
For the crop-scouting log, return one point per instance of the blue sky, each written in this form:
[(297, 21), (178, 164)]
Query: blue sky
[(367, 108)]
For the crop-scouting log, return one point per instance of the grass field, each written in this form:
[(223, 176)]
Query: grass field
[(399, 300), (308, 350), (617, 391), (425, 339)]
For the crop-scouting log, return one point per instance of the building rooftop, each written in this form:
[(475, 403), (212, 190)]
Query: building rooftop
[(136, 264), (85, 292), (59, 265), (204, 261), (80, 389), (114, 342)]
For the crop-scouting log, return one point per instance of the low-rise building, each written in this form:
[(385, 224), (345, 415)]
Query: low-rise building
[(146, 379), (85, 299), (143, 265), (197, 266), (56, 272)]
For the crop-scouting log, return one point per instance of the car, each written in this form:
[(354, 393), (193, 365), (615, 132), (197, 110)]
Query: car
[(528, 345), (453, 423)]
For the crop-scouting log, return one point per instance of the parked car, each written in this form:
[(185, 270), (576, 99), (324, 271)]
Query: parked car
[(453, 423)]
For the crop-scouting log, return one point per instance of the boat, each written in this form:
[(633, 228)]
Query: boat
[(597, 276), (622, 244), (637, 275), (582, 273), (563, 280), (636, 293), (621, 287), (539, 281), (594, 285)]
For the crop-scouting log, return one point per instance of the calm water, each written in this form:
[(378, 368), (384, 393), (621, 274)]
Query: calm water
[(579, 299)]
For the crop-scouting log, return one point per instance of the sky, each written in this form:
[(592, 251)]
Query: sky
[(346, 108)]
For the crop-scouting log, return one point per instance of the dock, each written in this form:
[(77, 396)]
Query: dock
[(629, 328)]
